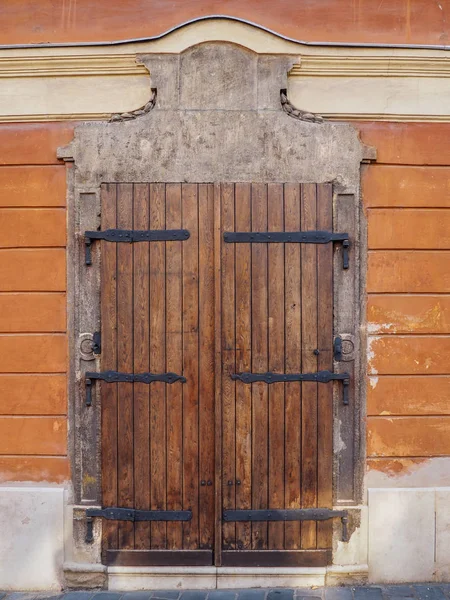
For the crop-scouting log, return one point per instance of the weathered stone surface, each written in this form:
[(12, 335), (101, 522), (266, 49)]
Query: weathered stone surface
[(207, 125)]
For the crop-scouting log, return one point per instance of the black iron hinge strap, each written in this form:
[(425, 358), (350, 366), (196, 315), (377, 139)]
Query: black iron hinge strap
[(130, 514), (116, 377), (319, 377), (294, 514), (133, 235), (291, 237)]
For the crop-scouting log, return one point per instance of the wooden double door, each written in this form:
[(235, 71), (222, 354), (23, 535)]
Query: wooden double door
[(190, 456)]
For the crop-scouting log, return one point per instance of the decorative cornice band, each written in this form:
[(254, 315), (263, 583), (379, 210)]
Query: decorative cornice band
[(71, 66), (371, 66)]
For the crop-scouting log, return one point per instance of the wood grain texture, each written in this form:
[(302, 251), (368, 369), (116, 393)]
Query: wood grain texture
[(310, 313), (408, 436), (406, 271), (409, 355), (33, 394), (33, 435), (414, 229), (408, 313), (411, 186), (32, 312), (125, 397), (174, 358), (418, 395), (293, 364), (109, 362), (24, 185), (260, 392), (141, 364), (331, 20)]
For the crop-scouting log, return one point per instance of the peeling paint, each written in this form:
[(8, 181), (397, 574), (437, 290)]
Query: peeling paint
[(371, 354), (373, 381)]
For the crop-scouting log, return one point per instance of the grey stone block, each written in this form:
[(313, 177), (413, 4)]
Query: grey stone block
[(222, 595), (367, 593), (338, 593), (280, 594), (250, 594), (165, 594), (429, 592), (194, 595)]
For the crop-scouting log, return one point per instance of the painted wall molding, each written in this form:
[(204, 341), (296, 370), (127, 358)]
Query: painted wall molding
[(95, 82)]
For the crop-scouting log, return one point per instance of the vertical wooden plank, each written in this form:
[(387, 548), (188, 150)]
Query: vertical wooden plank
[(189, 193), (309, 364), (259, 365), (325, 362), (125, 363), (243, 364), (275, 277), (228, 367), (141, 287), (174, 362), (109, 362), (158, 364), (206, 370), (292, 364), (218, 505)]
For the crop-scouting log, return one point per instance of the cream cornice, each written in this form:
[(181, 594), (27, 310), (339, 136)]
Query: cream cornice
[(372, 66), (85, 83), (70, 66)]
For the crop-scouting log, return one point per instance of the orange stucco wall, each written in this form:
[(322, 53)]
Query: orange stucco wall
[(407, 204), (389, 21), (33, 344)]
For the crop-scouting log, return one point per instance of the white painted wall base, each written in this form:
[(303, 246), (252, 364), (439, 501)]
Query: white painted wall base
[(32, 538), (409, 534), (144, 578)]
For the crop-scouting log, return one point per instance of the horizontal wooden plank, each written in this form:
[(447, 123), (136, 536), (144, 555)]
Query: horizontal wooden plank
[(408, 143), (38, 312), (33, 394), (33, 143), (33, 269), (276, 558), (390, 186), (46, 353), (398, 228), (33, 435), (33, 186), (393, 467), (29, 227), (407, 313), (409, 355), (408, 436), (419, 395), (133, 558), (413, 271), (51, 469)]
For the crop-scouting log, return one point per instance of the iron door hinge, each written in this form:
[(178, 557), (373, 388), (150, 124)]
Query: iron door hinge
[(337, 348), (319, 377), (133, 515), (291, 237), (97, 342), (116, 377), (132, 235), (294, 514)]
